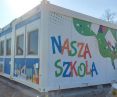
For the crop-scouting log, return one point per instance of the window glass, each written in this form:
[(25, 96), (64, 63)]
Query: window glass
[(8, 50), (2, 48), (33, 43), (20, 42)]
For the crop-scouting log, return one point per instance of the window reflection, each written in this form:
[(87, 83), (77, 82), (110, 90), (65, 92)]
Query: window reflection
[(33, 43), (8, 47), (2, 48), (20, 42)]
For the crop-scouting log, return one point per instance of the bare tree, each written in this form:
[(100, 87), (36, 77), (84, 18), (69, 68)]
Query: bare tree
[(109, 16)]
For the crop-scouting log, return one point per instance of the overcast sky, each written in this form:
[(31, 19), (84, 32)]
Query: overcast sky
[(11, 9)]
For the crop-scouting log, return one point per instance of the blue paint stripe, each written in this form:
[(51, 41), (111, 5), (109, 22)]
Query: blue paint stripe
[(7, 66), (1, 59), (6, 32), (31, 19)]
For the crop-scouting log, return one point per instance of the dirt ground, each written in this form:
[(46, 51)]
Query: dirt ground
[(103, 94), (7, 91), (98, 94)]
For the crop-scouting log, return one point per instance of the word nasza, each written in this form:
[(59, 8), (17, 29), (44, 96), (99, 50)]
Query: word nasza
[(69, 64)]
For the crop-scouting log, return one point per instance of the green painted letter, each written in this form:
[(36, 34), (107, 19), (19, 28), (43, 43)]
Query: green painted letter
[(75, 50), (59, 67), (79, 68)]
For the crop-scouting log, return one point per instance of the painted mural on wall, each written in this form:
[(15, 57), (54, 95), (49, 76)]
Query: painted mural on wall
[(105, 36), (80, 51), (66, 46), (27, 69)]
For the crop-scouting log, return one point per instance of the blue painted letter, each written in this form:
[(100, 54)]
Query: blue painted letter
[(68, 65), (58, 45), (93, 69)]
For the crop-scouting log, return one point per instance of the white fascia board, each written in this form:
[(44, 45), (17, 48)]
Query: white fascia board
[(28, 14), (77, 15), (18, 20), (31, 12)]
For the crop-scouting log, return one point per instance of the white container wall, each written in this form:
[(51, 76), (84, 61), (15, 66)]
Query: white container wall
[(51, 48)]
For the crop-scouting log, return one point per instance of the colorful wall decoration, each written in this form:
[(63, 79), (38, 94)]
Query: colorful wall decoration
[(106, 37), (80, 51), (71, 65), (27, 69)]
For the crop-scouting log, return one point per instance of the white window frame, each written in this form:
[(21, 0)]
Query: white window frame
[(1, 40), (20, 31), (8, 36), (30, 28)]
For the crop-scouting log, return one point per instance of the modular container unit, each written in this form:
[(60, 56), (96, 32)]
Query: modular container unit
[(51, 48)]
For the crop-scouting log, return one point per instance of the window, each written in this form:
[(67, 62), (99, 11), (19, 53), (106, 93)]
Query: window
[(20, 46), (33, 43), (8, 49), (2, 48)]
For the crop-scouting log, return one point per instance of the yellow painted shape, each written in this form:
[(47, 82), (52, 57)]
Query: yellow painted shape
[(46, 95), (34, 78), (116, 94), (17, 72), (35, 70), (23, 69), (29, 80)]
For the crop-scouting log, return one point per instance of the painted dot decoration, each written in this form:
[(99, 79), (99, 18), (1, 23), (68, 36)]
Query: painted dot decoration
[(57, 20)]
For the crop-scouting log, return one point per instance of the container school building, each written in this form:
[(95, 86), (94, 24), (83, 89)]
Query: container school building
[(51, 48)]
